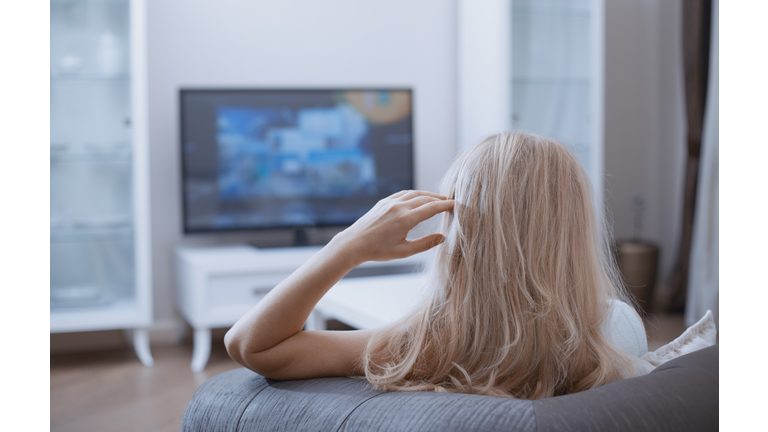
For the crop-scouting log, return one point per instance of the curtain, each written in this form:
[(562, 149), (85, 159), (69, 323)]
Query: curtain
[(703, 276)]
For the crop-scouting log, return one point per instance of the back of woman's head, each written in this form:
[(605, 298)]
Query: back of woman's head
[(520, 288)]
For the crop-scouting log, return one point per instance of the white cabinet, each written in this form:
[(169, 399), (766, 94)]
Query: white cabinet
[(218, 285), (100, 250), (535, 66)]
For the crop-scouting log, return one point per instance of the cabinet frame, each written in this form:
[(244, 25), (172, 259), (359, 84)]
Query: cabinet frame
[(134, 316)]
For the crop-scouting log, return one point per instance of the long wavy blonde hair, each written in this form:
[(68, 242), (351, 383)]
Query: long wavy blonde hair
[(519, 291)]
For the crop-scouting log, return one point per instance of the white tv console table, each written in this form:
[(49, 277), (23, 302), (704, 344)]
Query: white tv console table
[(369, 302), (218, 285)]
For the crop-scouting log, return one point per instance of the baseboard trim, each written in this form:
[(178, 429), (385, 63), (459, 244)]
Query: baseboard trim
[(164, 332)]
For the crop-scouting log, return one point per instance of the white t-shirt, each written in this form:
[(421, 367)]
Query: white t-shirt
[(625, 329)]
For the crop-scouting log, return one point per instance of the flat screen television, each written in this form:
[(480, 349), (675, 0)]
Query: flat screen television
[(267, 159)]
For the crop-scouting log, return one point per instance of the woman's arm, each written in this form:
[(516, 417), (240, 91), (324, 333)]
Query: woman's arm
[(269, 340)]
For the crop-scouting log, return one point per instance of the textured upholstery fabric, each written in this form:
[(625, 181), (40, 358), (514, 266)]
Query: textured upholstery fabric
[(680, 395)]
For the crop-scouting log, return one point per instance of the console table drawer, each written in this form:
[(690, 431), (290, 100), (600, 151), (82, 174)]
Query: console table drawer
[(240, 290)]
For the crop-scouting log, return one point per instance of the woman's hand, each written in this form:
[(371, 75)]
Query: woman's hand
[(381, 234)]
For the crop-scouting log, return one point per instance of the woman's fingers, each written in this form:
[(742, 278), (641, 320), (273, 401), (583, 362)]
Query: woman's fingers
[(380, 234), (399, 194), (410, 194), (428, 210), (424, 243), (419, 201)]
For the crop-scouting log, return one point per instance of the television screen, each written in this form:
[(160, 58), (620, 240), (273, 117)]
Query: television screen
[(259, 159)]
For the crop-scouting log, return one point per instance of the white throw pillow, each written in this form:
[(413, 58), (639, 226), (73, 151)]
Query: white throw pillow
[(700, 335)]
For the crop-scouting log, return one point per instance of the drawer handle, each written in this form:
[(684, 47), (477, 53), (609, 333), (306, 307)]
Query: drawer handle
[(260, 291)]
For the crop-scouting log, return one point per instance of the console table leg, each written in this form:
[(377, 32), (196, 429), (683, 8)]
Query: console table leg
[(141, 345), (202, 349), (138, 339), (317, 321)]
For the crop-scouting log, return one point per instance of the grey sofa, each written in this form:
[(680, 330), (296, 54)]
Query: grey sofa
[(680, 395)]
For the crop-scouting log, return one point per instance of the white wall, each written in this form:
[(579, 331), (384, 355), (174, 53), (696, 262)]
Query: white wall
[(645, 120), (484, 69), (302, 43)]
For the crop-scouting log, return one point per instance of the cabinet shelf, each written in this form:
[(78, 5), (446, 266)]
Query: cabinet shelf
[(89, 297), (89, 235), (64, 152), (522, 80), (117, 314), (566, 10), (85, 76), (115, 2), (116, 228)]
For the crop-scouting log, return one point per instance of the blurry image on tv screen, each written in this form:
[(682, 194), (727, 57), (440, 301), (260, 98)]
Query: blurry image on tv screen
[(293, 157), (304, 152)]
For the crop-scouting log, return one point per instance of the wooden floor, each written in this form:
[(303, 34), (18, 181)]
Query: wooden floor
[(662, 329), (111, 390)]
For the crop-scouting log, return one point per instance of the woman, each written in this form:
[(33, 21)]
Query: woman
[(521, 290)]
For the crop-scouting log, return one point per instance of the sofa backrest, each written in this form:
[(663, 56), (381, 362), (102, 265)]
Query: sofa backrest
[(677, 396)]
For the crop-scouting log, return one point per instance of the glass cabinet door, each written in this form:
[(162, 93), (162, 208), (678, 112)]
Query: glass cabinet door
[(556, 75), (92, 242), (535, 66)]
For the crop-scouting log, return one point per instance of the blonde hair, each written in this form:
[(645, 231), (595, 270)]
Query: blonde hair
[(519, 290)]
